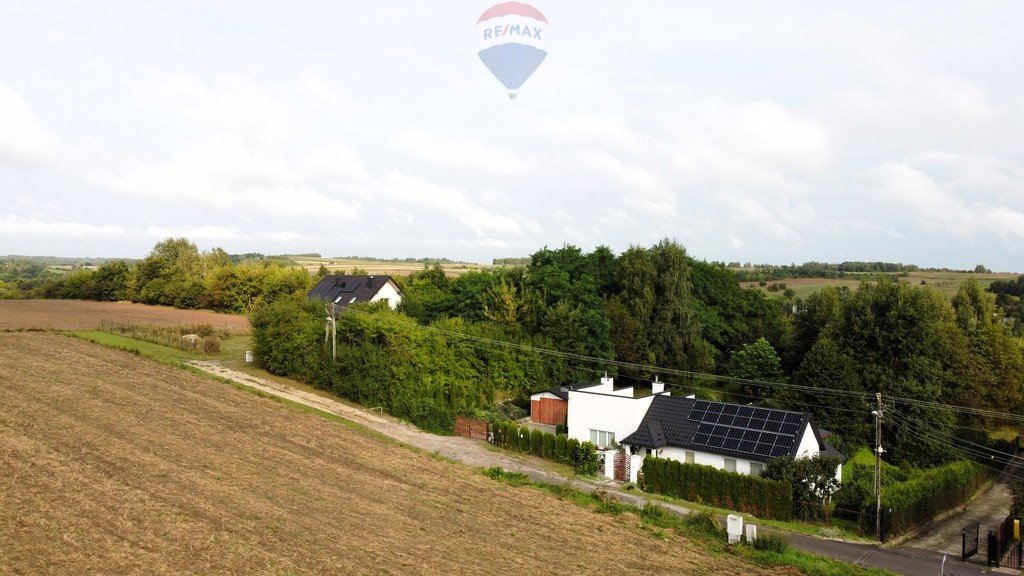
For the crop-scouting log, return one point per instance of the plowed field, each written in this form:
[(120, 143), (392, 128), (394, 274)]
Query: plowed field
[(113, 464), (85, 315)]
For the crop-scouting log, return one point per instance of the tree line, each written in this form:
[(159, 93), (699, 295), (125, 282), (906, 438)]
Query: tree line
[(176, 273), (469, 343)]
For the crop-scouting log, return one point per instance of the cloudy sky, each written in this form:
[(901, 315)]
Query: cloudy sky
[(763, 131)]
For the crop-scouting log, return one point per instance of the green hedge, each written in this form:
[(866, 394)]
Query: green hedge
[(925, 496), (699, 483), (582, 457)]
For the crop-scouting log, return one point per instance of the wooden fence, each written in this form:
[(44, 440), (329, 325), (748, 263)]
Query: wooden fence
[(476, 429)]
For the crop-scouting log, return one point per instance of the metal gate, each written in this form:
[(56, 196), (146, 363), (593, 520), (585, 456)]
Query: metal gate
[(969, 545)]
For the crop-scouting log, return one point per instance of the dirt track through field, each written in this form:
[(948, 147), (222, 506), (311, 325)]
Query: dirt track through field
[(86, 315), (113, 464)]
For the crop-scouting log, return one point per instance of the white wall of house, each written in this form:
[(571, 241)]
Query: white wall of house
[(808, 444), (389, 292), (605, 409)]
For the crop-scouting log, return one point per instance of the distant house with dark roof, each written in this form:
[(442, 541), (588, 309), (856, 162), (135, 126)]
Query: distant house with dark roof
[(345, 290), (731, 437)]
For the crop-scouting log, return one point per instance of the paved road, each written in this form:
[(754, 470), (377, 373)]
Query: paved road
[(913, 562)]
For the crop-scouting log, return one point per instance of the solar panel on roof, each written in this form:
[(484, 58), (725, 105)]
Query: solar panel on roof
[(763, 432)]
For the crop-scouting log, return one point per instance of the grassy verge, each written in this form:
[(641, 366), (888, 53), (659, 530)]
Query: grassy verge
[(839, 528), (702, 527)]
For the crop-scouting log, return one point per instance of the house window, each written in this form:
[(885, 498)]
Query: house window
[(756, 468), (602, 439), (730, 464), (689, 457)]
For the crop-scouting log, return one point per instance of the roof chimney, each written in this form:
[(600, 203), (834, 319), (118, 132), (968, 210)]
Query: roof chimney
[(657, 387)]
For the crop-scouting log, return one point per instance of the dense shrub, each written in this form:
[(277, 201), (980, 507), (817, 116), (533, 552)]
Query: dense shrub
[(211, 345), (536, 442), (559, 449), (582, 457), (771, 542), (547, 448), (926, 495), (699, 483)]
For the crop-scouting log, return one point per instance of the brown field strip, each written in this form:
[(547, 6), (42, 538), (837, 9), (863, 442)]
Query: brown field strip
[(86, 315), (113, 464)]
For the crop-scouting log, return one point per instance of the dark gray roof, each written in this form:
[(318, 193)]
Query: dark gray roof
[(345, 290), (563, 391), (748, 432)]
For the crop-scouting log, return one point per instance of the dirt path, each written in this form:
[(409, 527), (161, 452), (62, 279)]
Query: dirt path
[(989, 510), (465, 450)]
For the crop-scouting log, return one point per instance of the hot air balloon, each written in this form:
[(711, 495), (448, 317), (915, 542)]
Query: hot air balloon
[(513, 35)]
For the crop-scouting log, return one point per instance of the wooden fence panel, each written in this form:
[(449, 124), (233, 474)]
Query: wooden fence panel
[(470, 428), (549, 411)]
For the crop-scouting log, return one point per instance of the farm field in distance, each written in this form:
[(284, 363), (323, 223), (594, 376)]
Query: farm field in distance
[(945, 282), (86, 314), (345, 265), (116, 464)]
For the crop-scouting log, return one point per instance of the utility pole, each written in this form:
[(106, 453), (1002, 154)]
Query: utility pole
[(332, 321), (878, 466)]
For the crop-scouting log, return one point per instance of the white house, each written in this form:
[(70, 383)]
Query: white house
[(604, 415), (731, 437), (345, 290)]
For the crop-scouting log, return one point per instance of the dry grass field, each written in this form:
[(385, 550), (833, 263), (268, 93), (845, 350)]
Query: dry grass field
[(114, 464), (84, 315), (946, 282), (345, 265)]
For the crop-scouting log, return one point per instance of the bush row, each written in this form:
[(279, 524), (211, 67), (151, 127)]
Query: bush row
[(581, 456), (699, 483), (925, 496)]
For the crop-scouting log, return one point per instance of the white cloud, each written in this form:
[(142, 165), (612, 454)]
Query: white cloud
[(465, 153), (15, 226), (196, 232), (411, 191), (935, 205), (22, 137)]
